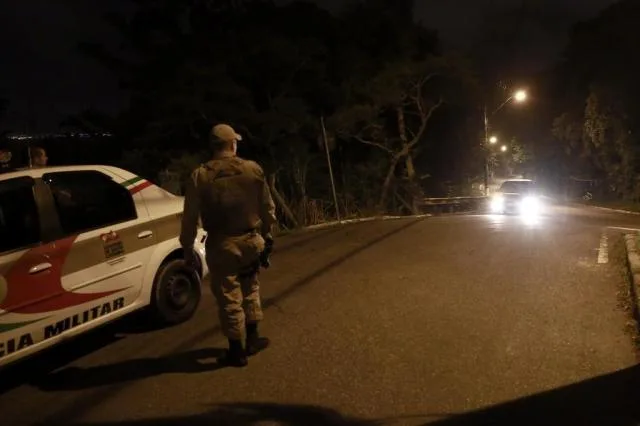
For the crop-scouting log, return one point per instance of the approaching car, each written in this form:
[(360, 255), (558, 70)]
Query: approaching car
[(517, 196), (83, 245)]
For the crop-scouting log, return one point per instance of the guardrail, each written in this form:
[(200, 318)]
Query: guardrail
[(452, 204)]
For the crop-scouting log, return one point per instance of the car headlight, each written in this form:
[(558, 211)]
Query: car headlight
[(530, 205), (497, 203)]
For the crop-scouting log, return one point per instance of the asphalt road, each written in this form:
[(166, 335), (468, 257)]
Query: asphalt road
[(452, 320)]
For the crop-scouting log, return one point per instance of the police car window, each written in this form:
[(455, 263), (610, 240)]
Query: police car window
[(87, 200), (19, 218)]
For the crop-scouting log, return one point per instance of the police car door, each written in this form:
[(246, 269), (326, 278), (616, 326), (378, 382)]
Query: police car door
[(105, 232), (29, 269)]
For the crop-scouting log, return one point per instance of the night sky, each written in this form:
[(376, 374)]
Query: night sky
[(45, 78)]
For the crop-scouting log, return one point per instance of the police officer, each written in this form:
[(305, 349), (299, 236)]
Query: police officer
[(38, 157), (231, 197)]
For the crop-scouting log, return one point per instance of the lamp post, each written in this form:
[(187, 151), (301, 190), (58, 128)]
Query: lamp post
[(518, 96)]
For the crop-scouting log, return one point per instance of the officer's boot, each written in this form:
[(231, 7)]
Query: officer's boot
[(235, 356), (255, 343)]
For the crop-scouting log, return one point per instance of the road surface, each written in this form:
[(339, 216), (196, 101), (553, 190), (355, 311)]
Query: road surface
[(452, 320)]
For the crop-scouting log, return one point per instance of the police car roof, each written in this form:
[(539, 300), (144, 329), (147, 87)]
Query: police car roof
[(36, 172)]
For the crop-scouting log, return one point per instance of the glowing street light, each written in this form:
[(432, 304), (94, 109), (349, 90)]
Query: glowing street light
[(520, 96)]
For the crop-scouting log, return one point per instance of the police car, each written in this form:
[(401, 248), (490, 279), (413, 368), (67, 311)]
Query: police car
[(83, 245)]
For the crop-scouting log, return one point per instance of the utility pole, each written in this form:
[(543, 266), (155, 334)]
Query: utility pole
[(519, 96), (485, 148), (333, 185)]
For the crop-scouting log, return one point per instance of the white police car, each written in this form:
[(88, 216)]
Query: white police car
[(83, 245)]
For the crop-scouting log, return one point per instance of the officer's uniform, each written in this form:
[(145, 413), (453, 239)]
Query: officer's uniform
[(231, 197)]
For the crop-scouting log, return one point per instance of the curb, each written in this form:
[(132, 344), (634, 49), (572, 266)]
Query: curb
[(346, 222), (364, 219), (633, 258)]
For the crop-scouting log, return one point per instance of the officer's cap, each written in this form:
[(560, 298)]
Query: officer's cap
[(224, 133)]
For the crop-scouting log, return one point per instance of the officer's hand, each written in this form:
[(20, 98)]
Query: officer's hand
[(265, 260), (268, 244), (190, 259)]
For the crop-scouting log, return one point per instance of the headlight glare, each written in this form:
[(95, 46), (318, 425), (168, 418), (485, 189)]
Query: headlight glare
[(497, 203), (530, 205)]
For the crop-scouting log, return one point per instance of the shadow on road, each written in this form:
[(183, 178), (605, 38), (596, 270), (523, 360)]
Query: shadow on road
[(58, 356), (40, 364), (75, 378), (608, 400), (250, 414)]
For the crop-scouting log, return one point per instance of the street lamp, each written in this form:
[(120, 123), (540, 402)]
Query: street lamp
[(519, 96), (503, 148)]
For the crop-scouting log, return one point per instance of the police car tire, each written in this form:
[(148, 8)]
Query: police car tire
[(161, 306)]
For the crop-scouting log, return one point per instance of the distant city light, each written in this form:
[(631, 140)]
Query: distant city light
[(27, 137)]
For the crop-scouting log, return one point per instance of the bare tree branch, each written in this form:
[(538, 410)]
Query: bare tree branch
[(426, 78), (425, 121), (372, 143), (372, 126), (417, 98), (412, 134)]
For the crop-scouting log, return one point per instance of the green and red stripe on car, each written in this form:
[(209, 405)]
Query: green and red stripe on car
[(136, 184)]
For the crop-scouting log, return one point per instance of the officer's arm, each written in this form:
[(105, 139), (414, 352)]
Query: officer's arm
[(191, 213), (267, 209)]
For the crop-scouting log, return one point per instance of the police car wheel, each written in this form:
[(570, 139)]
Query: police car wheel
[(176, 293)]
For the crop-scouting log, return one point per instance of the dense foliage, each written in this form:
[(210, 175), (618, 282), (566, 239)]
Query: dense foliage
[(374, 78), (400, 116)]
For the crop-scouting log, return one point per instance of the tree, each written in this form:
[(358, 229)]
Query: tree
[(395, 93), (516, 160), (609, 142), (246, 63), (392, 113), (252, 64), (601, 112)]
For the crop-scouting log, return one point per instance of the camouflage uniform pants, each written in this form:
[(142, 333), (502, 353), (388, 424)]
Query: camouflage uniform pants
[(234, 280)]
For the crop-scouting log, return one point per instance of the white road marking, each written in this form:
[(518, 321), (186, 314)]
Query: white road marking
[(620, 228), (617, 210), (603, 251)]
